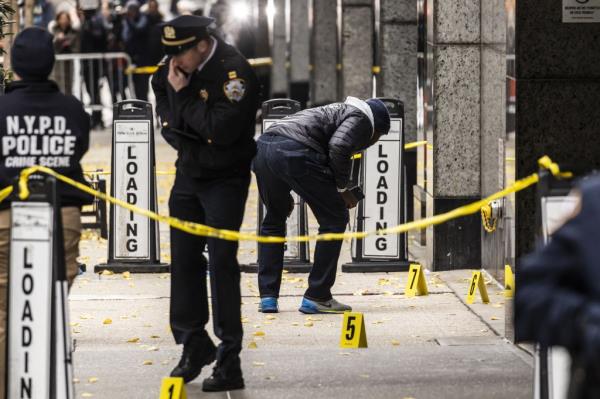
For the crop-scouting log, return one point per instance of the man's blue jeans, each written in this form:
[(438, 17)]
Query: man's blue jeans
[(282, 165)]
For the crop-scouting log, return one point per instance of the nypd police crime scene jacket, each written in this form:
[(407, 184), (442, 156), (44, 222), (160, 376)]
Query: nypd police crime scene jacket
[(41, 126), (211, 122)]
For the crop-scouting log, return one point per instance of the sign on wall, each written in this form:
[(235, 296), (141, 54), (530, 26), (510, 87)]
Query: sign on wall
[(581, 11)]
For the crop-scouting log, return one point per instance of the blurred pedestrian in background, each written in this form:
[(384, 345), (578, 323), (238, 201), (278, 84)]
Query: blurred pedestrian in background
[(66, 41), (154, 52), (135, 37), (93, 40)]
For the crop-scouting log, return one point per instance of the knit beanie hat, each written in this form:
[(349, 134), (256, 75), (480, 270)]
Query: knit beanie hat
[(381, 115), (32, 54)]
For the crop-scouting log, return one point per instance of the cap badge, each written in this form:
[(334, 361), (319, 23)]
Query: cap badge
[(169, 32)]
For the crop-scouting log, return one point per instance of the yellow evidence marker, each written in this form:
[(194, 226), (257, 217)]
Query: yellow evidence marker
[(509, 282), (172, 388), (416, 283), (354, 334), (477, 282)]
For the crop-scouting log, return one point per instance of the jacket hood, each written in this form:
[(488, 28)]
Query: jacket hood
[(365, 109)]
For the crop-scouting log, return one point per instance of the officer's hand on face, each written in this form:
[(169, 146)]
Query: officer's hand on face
[(177, 78)]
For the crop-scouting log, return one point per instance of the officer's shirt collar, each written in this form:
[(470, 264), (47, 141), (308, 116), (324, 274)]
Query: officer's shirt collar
[(212, 52)]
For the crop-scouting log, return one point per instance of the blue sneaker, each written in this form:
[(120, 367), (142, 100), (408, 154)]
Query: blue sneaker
[(268, 305), (309, 306)]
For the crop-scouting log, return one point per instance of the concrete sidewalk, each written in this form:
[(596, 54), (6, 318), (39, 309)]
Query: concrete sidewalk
[(425, 347)]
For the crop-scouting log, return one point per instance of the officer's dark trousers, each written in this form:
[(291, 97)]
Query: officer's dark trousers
[(282, 165), (218, 203)]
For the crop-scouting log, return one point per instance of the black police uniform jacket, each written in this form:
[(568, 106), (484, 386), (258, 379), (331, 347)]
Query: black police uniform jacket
[(336, 131), (211, 122), (39, 125), (557, 294)]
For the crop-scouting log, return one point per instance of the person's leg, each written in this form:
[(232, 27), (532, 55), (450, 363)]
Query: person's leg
[(4, 247), (275, 195), (314, 182), (189, 299), (71, 223), (224, 201)]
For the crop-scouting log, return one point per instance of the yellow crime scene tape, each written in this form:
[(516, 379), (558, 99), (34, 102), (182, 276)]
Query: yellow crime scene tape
[(204, 230), (149, 70)]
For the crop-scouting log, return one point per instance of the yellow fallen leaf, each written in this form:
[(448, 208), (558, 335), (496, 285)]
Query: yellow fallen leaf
[(494, 318), (92, 380), (295, 324), (245, 320), (384, 281), (107, 321), (86, 316), (395, 342), (147, 363), (309, 324), (310, 318), (258, 364), (365, 375), (155, 336), (107, 273), (75, 380), (126, 275), (497, 305), (252, 345), (271, 317), (152, 349), (133, 340), (259, 334), (87, 395), (344, 354), (73, 324)]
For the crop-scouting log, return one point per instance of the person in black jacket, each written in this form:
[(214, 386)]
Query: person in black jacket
[(40, 126), (206, 98), (93, 40), (310, 152), (557, 294), (135, 36)]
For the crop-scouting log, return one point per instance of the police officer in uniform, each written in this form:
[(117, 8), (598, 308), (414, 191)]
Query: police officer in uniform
[(207, 96)]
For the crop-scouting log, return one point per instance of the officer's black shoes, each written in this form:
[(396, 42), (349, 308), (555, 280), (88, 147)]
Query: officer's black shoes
[(223, 380), (194, 357)]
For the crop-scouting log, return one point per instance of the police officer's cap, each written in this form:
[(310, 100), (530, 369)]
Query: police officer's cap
[(184, 32)]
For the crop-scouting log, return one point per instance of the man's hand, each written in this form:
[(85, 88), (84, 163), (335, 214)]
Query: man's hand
[(349, 199), (177, 78), (352, 196)]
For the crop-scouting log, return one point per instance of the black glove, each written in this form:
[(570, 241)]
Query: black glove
[(352, 196)]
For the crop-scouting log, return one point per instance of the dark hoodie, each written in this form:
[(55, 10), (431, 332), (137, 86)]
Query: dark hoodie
[(41, 126)]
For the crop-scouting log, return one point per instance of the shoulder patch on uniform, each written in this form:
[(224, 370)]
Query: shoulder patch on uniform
[(232, 75), (234, 89)]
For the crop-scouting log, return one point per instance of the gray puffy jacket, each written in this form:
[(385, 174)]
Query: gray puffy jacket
[(337, 130)]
